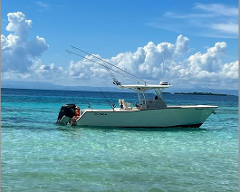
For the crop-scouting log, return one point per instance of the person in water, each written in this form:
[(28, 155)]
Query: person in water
[(76, 116)]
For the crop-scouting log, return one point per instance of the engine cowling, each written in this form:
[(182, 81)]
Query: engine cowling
[(68, 111)]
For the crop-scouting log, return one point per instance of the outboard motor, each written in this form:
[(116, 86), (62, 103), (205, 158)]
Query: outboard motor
[(66, 113)]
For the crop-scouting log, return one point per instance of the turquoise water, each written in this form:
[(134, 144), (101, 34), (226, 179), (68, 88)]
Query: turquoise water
[(37, 155)]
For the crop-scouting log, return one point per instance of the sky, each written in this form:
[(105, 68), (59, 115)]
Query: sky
[(187, 43)]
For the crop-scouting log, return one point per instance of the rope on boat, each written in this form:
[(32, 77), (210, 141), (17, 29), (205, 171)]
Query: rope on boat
[(220, 119)]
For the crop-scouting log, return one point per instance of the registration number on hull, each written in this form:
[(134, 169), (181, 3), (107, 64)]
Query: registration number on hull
[(99, 113)]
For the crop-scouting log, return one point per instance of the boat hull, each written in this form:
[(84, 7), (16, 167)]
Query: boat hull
[(191, 116)]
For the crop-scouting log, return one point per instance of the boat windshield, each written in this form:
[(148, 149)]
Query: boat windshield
[(141, 91)]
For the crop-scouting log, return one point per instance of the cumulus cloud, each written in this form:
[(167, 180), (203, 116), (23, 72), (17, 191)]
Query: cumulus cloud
[(208, 61), (206, 68), (155, 62), (21, 59), (19, 54), (18, 24), (148, 60), (87, 71), (230, 70), (145, 62)]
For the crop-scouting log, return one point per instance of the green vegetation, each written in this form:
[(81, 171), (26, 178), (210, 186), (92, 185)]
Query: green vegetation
[(202, 93)]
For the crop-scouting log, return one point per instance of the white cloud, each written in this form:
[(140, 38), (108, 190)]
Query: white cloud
[(148, 59), (36, 46), (204, 68), (21, 59), (209, 20), (230, 28), (18, 54), (182, 45), (147, 63), (41, 4), (18, 24), (230, 70), (218, 9), (209, 62), (207, 68)]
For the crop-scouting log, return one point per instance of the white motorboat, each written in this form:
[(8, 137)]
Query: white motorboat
[(148, 113)]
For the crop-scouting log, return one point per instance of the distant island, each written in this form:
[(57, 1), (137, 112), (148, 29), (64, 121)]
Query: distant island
[(202, 93), (49, 86)]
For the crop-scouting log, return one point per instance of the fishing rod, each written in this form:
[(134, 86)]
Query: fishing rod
[(109, 64), (115, 81), (112, 105), (89, 105), (109, 92)]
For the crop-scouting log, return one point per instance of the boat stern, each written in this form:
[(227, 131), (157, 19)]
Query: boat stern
[(65, 114)]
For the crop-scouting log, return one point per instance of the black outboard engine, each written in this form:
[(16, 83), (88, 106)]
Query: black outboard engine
[(67, 110)]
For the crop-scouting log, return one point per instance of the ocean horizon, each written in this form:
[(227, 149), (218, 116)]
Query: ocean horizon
[(38, 155)]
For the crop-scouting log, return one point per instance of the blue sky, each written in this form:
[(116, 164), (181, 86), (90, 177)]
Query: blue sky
[(206, 32)]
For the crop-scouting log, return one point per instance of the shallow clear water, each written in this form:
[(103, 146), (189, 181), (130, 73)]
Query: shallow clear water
[(37, 155)]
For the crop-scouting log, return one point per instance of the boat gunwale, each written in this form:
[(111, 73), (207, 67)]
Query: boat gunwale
[(168, 107)]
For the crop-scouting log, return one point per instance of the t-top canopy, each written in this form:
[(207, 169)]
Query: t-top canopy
[(144, 87)]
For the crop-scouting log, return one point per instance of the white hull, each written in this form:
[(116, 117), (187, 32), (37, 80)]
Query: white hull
[(171, 116)]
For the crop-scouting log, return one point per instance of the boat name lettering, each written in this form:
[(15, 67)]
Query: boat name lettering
[(98, 113)]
